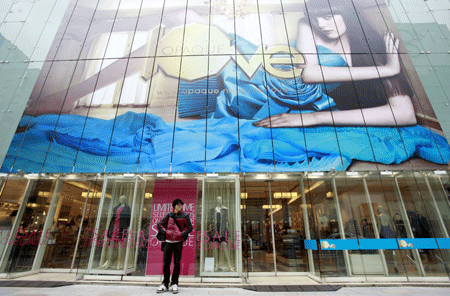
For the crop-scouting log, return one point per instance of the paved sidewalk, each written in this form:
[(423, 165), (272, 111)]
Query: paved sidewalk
[(121, 290)]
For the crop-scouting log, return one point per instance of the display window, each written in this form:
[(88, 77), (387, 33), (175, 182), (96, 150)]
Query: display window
[(220, 243), (116, 232)]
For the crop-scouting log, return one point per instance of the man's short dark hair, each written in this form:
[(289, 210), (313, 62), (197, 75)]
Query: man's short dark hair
[(177, 201)]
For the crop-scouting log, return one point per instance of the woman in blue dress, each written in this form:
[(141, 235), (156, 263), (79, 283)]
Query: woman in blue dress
[(337, 50)]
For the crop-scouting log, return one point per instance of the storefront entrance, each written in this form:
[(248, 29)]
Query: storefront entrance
[(355, 227)]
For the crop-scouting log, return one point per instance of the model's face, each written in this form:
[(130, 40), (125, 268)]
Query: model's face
[(332, 26)]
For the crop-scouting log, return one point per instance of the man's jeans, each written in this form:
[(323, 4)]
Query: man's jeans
[(170, 249)]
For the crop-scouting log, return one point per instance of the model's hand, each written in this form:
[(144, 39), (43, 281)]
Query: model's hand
[(287, 120), (392, 56)]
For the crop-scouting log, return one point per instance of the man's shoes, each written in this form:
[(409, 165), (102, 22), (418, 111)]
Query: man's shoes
[(162, 289), (174, 289)]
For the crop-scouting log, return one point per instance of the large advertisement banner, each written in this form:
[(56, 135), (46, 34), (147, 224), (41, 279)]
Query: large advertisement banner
[(227, 86), (164, 193)]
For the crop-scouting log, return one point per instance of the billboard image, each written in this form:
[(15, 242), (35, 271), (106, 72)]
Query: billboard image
[(212, 86)]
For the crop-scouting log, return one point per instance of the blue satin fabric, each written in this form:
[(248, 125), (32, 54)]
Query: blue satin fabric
[(252, 98), (150, 144)]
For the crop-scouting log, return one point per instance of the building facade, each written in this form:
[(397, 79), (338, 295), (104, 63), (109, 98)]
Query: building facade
[(305, 137)]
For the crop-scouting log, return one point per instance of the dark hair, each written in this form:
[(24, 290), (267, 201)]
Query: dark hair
[(177, 201), (364, 39)]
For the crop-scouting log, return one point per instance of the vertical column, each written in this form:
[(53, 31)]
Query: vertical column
[(340, 224), (271, 228), (306, 222), (80, 230), (47, 225), (402, 207), (133, 210)]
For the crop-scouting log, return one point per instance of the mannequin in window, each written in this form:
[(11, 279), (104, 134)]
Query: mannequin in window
[(387, 230), (120, 221), (218, 232)]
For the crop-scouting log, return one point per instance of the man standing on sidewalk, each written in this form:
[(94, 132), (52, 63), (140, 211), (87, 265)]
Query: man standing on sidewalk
[(177, 227)]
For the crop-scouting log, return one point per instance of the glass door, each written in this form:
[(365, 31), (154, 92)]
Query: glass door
[(116, 234), (257, 227)]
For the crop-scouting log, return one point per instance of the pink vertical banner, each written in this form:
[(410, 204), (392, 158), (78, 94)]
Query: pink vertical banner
[(163, 195)]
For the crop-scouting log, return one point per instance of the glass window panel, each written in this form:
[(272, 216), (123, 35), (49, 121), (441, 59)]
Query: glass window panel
[(97, 39), (288, 95), (100, 121), (289, 227), (222, 34), (145, 228), (162, 102), (410, 37), (320, 192), (5, 8), (11, 194), (107, 9), (199, 37), (50, 33), (34, 144), (441, 64), (359, 261), (222, 139), (63, 151), (87, 224), (257, 227), (273, 25), (10, 87), (438, 4), (170, 42), (441, 17), (147, 30), (130, 118), (123, 31), (257, 144), (9, 33), (19, 11), (429, 32), (220, 226), (352, 25), (248, 28), (75, 34), (389, 219), (188, 153), (111, 252), (63, 232), (65, 12), (321, 12), (32, 29), (292, 15), (423, 220), (414, 6), (14, 103), (22, 254)]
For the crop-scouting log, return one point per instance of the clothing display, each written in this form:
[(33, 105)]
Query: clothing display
[(399, 226), (120, 221), (419, 225), (386, 232), (217, 224)]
